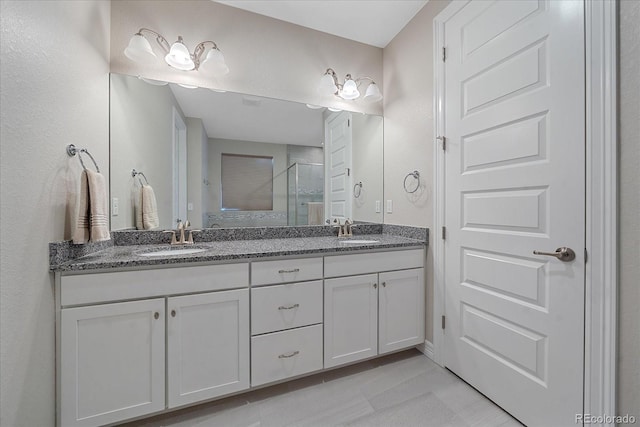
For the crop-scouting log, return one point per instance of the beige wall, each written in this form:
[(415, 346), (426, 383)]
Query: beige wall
[(54, 90), (141, 139), (629, 193), (266, 57), (408, 127)]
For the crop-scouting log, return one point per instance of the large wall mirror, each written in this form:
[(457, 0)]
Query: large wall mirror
[(222, 159)]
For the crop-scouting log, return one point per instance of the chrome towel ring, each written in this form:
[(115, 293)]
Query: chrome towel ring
[(72, 151), (357, 187), (135, 173), (416, 176)]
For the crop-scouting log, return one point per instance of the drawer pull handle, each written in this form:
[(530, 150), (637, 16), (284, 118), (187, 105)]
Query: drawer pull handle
[(282, 307), (286, 356), (295, 270)]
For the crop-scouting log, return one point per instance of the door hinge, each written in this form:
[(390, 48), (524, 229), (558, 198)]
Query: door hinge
[(348, 122), (444, 142), (348, 172), (443, 322), (586, 255), (444, 233), (444, 54)]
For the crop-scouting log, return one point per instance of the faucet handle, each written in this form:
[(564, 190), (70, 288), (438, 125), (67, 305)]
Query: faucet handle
[(174, 241), (190, 238), (187, 224)]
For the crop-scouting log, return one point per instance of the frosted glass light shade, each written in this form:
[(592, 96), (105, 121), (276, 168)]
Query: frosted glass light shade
[(350, 90), (373, 93), (139, 50), (179, 57), (327, 86), (214, 63)]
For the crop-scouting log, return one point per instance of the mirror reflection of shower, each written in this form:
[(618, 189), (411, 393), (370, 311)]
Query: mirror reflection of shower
[(305, 194)]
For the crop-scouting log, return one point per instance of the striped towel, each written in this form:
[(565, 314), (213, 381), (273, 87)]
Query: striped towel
[(81, 230), (98, 207)]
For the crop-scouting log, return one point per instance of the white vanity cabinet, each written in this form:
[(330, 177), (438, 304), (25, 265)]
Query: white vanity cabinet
[(111, 362), (375, 313), (207, 346), (159, 349)]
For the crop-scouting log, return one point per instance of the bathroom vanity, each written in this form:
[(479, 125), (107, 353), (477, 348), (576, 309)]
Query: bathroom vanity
[(139, 335)]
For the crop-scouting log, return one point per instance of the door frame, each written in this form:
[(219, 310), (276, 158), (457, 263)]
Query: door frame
[(601, 241)]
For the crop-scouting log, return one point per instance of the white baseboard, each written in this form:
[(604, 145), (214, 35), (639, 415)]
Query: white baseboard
[(426, 348)]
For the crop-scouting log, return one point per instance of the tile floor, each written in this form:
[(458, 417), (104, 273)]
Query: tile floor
[(403, 389)]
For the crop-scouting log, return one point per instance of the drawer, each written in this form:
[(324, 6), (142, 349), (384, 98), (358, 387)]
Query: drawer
[(274, 308), (350, 265), (123, 285), (285, 270), (285, 354)]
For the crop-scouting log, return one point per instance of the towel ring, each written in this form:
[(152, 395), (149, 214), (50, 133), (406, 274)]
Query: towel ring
[(135, 173), (357, 186), (72, 151), (415, 175)]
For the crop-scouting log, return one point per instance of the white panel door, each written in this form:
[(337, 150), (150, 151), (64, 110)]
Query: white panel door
[(111, 362), (515, 173), (337, 149), (207, 346), (350, 319), (401, 303)]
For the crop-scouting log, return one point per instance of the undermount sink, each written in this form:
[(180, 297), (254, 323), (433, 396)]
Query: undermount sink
[(357, 242), (171, 252)]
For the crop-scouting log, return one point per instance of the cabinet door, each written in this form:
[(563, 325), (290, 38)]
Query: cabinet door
[(350, 319), (111, 362), (402, 321), (208, 346)]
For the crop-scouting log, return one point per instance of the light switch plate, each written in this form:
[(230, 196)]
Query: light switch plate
[(378, 204), (389, 206), (190, 206), (115, 206)]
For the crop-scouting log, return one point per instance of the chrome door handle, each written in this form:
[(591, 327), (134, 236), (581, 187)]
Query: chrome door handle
[(563, 254)]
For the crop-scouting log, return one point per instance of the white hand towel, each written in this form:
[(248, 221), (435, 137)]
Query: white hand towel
[(137, 204), (150, 219), (98, 207), (81, 229), (315, 213)]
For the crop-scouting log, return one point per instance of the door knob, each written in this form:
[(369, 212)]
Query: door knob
[(563, 254)]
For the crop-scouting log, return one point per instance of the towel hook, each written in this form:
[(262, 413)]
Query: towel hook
[(357, 186), (415, 175), (72, 151), (135, 173)]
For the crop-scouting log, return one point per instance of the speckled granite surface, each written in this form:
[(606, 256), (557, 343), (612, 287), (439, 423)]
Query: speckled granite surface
[(225, 250)]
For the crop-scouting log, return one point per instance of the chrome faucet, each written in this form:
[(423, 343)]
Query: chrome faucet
[(182, 228), (344, 230)]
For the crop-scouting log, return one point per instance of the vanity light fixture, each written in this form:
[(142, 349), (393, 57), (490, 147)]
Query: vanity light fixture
[(177, 55), (329, 85)]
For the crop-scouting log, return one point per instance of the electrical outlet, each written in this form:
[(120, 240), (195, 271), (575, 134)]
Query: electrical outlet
[(190, 206), (115, 206), (378, 206), (389, 206)]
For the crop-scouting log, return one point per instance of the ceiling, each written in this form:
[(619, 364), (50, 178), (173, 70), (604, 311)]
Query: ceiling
[(251, 118), (373, 22)]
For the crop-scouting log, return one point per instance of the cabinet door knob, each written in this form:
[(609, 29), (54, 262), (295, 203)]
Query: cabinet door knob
[(384, 284), (375, 286), (156, 315), (173, 313)]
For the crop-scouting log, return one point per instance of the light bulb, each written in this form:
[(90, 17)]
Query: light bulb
[(349, 90), (179, 56), (372, 94), (139, 49), (214, 63), (327, 85)]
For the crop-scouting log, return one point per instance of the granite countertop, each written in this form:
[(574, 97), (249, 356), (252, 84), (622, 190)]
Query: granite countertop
[(128, 256)]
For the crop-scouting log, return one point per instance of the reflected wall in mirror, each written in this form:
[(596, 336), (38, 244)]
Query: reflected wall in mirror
[(223, 159)]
